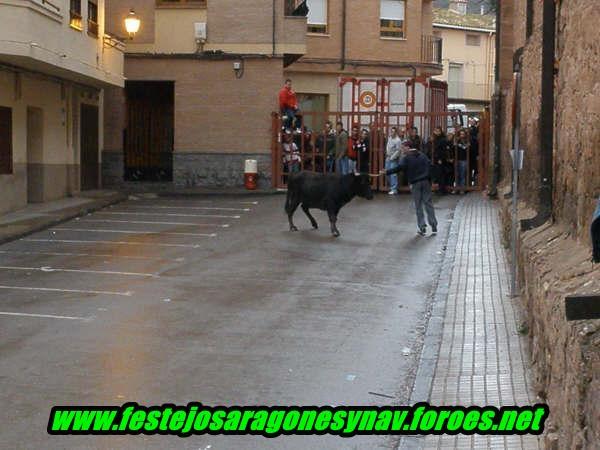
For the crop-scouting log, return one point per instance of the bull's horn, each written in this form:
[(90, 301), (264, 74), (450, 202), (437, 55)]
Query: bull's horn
[(374, 175)]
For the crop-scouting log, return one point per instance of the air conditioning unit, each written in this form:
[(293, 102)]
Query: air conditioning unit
[(200, 31)]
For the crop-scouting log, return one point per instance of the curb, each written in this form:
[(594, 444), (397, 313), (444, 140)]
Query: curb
[(435, 326), (60, 216)]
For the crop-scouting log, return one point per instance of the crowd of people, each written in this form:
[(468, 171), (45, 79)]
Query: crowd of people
[(453, 156)]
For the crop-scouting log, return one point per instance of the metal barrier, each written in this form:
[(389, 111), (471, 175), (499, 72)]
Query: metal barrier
[(313, 146)]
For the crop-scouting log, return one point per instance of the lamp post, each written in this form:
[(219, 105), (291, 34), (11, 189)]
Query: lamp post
[(132, 23)]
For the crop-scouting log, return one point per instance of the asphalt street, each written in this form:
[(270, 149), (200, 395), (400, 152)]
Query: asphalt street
[(172, 300)]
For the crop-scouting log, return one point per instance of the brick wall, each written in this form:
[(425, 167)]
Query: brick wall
[(215, 114), (250, 21), (215, 111), (363, 41)]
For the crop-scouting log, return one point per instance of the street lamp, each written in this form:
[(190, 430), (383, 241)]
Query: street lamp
[(132, 23)]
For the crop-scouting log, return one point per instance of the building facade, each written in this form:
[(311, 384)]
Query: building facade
[(469, 43), (363, 39), (202, 80), (56, 59)]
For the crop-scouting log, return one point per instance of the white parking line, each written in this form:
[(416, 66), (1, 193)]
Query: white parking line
[(165, 214), (97, 255), (212, 208), (195, 202), (73, 241), (49, 269), (44, 316), (137, 232), (72, 291), (142, 222)]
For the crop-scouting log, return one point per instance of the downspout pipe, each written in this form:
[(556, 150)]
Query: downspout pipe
[(343, 59), (274, 20), (546, 119), (493, 193)]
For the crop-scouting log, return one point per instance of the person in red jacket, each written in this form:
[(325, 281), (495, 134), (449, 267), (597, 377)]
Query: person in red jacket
[(288, 106)]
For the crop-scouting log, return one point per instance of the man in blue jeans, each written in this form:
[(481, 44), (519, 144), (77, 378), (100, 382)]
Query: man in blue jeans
[(342, 165), (417, 168), (392, 156)]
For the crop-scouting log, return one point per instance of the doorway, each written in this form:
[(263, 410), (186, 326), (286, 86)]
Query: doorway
[(35, 155), (90, 166), (317, 103), (149, 136)]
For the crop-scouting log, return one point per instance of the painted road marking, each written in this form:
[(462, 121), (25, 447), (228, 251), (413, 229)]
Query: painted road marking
[(194, 202), (137, 232), (165, 214), (97, 255), (44, 316), (73, 241), (72, 291), (212, 208), (49, 269), (142, 222)]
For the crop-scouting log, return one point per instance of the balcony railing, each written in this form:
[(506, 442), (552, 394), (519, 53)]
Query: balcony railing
[(431, 49)]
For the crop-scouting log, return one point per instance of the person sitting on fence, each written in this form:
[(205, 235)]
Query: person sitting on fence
[(392, 156), (325, 144), (341, 149), (291, 155), (288, 107), (353, 149), (364, 151)]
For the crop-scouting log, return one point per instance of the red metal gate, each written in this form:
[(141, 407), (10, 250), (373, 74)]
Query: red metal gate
[(312, 144)]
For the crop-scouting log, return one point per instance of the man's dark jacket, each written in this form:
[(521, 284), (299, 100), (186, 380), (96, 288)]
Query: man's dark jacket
[(416, 166)]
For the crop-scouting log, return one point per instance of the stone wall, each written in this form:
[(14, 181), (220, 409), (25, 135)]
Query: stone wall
[(555, 259), (192, 170), (218, 170)]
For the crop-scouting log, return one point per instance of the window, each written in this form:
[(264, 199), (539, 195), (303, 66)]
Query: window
[(93, 18), (6, 140), (75, 15), (392, 18), (317, 16), (455, 80), (181, 3), (473, 40)]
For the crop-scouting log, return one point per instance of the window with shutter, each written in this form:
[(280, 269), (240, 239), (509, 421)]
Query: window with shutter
[(392, 18), (317, 16)]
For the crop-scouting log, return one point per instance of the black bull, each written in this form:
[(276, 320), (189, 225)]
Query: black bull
[(328, 192)]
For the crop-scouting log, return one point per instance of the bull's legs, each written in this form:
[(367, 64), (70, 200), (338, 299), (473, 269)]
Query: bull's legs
[(332, 220), (310, 217), (291, 205)]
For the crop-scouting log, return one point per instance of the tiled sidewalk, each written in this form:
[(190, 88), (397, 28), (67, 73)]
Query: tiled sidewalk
[(473, 353)]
